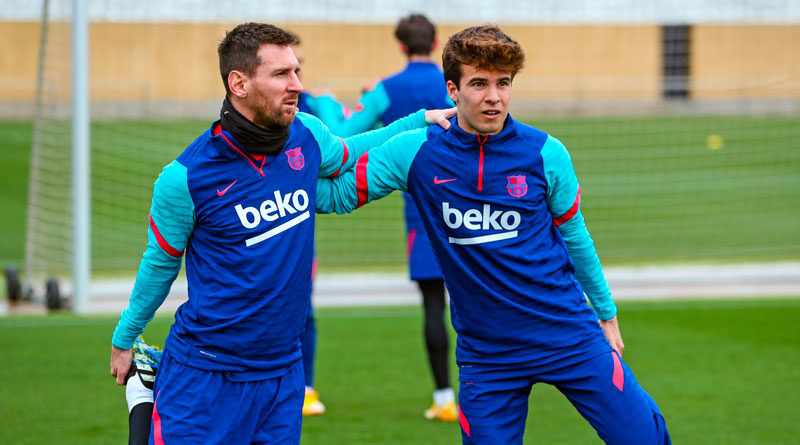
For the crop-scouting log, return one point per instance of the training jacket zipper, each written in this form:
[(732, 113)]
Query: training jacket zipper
[(259, 170), (481, 142)]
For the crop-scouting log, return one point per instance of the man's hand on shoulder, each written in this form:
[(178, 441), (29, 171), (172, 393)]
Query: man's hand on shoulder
[(611, 331), (120, 363), (440, 117)]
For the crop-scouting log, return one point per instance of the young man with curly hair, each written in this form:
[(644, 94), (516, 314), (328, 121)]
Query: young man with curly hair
[(500, 202)]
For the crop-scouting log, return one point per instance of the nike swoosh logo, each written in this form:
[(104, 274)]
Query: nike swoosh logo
[(225, 190), (436, 180)]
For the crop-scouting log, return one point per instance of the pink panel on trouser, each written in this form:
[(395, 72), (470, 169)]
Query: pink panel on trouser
[(463, 421), (412, 235), (619, 375), (157, 425)]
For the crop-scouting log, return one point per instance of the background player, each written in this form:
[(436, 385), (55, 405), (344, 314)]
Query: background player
[(501, 203), (236, 202), (419, 85)]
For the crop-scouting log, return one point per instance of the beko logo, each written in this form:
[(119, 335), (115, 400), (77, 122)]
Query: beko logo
[(474, 219), (270, 210)]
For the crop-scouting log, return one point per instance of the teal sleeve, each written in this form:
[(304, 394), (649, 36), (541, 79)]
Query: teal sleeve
[(371, 107), (563, 199), (376, 174), (171, 225), (340, 155), (325, 105)]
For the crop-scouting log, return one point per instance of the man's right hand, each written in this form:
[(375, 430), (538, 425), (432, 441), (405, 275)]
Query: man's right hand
[(611, 331), (440, 117), (120, 363)]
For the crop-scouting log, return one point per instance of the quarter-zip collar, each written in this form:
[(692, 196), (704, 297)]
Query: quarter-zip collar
[(235, 146), (470, 141), (480, 142)]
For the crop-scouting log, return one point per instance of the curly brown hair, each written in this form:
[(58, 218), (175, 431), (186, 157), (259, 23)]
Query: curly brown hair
[(484, 47), (239, 49)]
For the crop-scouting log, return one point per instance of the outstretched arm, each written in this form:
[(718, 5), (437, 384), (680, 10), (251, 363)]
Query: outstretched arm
[(171, 224), (360, 143), (376, 174), (339, 155)]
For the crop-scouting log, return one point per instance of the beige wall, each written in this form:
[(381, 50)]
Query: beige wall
[(589, 62), (178, 62), (745, 61), (563, 62), (18, 60)]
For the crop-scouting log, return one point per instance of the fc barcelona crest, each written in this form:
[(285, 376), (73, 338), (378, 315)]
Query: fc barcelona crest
[(296, 159), (516, 186)]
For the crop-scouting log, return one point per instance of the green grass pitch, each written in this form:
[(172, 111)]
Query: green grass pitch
[(654, 190), (723, 372)]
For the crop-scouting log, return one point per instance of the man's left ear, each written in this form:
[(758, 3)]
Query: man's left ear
[(237, 83), (452, 91)]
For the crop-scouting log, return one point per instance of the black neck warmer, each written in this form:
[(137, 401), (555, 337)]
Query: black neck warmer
[(255, 139)]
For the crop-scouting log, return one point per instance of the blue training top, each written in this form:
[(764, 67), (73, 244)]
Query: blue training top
[(503, 216), (246, 228)]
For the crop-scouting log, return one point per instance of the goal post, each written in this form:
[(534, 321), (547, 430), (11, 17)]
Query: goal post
[(81, 166)]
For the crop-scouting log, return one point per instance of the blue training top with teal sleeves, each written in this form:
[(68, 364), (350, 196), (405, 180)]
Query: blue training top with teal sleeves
[(503, 216), (246, 228)]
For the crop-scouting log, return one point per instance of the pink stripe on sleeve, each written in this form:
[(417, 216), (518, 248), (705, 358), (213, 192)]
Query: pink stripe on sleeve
[(361, 179), (571, 212), (344, 159), (171, 251)]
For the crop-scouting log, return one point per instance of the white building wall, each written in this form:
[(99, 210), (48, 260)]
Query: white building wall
[(440, 11)]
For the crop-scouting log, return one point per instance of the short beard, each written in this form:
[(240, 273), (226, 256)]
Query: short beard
[(272, 119)]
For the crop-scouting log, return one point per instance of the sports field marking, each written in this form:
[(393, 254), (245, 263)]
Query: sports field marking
[(701, 304), (41, 321), (407, 311)]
